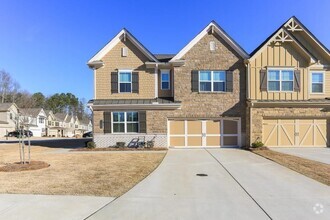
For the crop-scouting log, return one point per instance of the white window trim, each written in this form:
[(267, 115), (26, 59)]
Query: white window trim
[(125, 123), (212, 81), (124, 71), (165, 71), (311, 84), (280, 80)]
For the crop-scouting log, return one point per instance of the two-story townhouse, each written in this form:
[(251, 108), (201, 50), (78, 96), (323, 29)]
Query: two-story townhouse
[(54, 126), (191, 99), (288, 89), (34, 119), (8, 118)]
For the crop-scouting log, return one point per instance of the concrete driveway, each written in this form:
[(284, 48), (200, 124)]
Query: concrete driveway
[(317, 154), (239, 185)]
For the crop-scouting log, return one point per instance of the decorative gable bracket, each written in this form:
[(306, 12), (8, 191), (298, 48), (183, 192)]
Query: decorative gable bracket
[(282, 36), (293, 26)]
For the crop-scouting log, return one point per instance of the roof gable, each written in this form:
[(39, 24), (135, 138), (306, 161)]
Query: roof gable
[(214, 27), (123, 34), (286, 33)]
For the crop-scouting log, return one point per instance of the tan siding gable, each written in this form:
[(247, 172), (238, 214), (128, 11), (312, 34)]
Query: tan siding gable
[(279, 55)]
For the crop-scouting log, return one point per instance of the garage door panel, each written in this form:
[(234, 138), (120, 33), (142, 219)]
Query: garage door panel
[(177, 127), (213, 127), (230, 127), (286, 135), (320, 135), (194, 141), (230, 141), (270, 135), (177, 141), (306, 133), (194, 127), (213, 141)]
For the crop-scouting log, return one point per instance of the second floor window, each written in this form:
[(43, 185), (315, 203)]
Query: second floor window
[(317, 82), (212, 81), (41, 120), (165, 79), (280, 80), (125, 81)]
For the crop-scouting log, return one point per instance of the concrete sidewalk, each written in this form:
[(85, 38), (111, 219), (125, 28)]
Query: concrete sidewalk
[(239, 185), (41, 207), (318, 154)]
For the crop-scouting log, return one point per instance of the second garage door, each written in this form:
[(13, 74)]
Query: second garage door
[(204, 133), (295, 132)]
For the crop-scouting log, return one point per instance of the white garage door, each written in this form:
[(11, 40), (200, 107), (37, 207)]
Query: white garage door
[(204, 133)]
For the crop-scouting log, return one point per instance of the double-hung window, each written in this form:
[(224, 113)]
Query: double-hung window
[(165, 79), (125, 122), (212, 81), (280, 80), (317, 82), (125, 81)]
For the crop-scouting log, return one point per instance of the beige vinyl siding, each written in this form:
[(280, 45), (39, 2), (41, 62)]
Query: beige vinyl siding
[(135, 60), (312, 46), (281, 56)]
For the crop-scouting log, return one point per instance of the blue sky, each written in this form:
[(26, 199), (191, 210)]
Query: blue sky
[(45, 44)]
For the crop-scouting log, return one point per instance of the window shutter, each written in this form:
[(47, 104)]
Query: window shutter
[(194, 81), (142, 122), (114, 82), (263, 80), (229, 81), (107, 122), (296, 81), (135, 82)]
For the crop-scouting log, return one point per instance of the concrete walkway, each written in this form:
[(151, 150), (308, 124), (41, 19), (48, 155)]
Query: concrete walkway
[(239, 185), (41, 207), (317, 154)]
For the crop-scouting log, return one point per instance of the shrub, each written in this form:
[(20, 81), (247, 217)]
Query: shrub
[(257, 144), (120, 144), (90, 145)]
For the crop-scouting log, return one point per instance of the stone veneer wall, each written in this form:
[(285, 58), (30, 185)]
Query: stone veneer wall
[(258, 114)]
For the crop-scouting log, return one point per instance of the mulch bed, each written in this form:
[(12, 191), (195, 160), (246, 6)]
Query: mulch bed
[(121, 149), (310, 168), (17, 167)]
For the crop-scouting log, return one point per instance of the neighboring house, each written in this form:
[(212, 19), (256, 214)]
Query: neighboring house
[(65, 125), (194, 98), (54, 126), (34, 119), (289, 89), (8, 118)]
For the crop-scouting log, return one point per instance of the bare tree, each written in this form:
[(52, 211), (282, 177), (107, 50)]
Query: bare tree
[(15, 90), (24, 100), (6, 83)]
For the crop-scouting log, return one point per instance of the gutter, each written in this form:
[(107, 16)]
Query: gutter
[(153, 106), (287, 104)]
